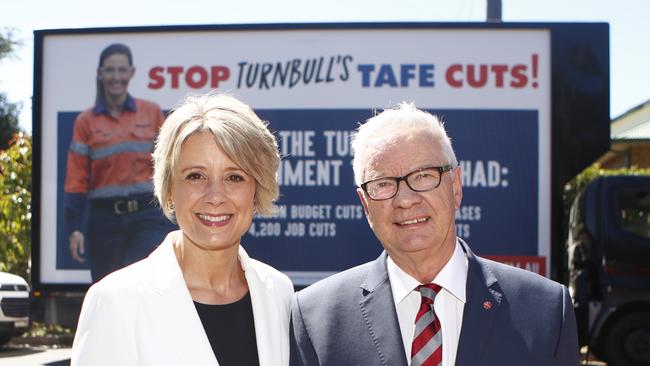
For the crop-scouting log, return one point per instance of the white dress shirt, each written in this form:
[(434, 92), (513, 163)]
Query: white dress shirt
[(448, 305)]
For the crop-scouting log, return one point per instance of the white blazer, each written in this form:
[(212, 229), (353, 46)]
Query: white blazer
[(144, 315)]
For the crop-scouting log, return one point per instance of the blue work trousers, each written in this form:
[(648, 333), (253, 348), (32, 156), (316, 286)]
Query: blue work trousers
[(117, 237)]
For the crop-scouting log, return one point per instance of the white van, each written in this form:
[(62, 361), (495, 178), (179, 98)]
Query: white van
[(14, 306)]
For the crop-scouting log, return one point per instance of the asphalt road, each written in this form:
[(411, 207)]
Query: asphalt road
[(19, 355), (34, 356)]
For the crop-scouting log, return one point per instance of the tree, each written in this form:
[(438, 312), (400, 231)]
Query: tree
[(15, 206), (8, 120), (7, 43), (8, 111)]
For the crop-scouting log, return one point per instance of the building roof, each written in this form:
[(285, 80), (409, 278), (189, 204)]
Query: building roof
[(633, 124)]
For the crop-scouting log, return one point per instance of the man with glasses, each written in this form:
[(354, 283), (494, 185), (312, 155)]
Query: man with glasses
[(428, 299)]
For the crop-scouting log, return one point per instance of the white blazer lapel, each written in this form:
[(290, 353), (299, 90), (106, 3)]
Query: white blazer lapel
[(172, 332), (173, 323), (270, 314)]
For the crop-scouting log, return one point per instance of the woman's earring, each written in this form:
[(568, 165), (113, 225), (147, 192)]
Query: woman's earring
[(171, 206)]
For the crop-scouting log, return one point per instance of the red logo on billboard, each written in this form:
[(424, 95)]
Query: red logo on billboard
[(194, 77)]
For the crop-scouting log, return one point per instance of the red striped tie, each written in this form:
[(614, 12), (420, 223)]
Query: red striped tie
[(427, 338)]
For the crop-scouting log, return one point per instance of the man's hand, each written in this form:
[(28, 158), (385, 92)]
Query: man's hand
[(77, 246)]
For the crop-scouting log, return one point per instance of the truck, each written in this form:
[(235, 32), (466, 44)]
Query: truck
[(609, 268)]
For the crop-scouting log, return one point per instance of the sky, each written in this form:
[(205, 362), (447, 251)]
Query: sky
[(628, 21)]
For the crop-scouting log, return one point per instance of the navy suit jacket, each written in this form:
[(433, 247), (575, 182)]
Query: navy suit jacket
[(350, 319)]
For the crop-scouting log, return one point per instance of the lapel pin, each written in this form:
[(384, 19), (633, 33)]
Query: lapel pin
[(487, 305)]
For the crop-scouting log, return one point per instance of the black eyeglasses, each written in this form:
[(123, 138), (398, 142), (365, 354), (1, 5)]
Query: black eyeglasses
[(420, 180)]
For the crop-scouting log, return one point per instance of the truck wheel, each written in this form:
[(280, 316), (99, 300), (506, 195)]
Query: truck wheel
[(628, 341)]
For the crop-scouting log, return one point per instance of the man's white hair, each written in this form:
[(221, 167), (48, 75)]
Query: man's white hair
[(390, 124)]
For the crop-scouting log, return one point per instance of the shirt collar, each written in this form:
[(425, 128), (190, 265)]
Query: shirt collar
[(452, 277), (129, 105)]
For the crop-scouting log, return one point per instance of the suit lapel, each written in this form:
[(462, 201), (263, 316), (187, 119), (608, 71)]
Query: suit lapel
[(269, 318), (379, 313), (172, 306), (481, 309)]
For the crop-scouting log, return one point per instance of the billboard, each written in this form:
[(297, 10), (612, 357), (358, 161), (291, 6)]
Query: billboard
[(492, 87)]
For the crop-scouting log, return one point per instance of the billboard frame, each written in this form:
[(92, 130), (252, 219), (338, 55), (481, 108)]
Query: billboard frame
[(579, 114)]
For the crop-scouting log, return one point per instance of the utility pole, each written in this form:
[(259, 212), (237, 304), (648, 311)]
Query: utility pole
[(493, 11)]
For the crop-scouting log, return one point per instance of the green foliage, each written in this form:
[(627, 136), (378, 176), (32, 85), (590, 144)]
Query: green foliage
[(8, 120), (7, 43), (44, 330), (15, 206), (15, 180), (8, 111)]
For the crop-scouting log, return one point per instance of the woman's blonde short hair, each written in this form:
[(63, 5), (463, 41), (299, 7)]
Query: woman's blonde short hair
[(238, 132)]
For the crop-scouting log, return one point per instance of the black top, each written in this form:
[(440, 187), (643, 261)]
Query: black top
[(231, 331)]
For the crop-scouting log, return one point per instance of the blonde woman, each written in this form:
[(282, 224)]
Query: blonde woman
[(198, 299)]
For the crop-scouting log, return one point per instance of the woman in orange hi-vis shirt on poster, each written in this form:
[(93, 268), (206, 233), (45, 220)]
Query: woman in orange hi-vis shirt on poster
[(110, 168)]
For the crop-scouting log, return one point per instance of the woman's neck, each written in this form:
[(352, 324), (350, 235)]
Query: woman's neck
[(212, 276), (115, 105)]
